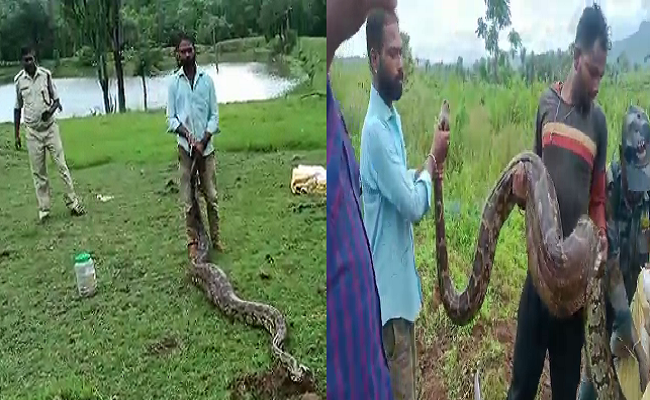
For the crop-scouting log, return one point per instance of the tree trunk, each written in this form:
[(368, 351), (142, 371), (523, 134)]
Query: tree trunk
[(214, 46), (161, 19), (117, 55), (103, 82), (144, 90)]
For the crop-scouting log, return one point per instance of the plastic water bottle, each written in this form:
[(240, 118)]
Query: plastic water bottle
[(84, 268)]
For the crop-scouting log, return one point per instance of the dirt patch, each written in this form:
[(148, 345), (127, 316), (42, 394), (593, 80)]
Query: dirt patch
[(272, 385), (431, 360), (432, 385), (505, 332)]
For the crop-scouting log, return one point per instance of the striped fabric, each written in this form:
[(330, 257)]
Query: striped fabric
[(356, 363)]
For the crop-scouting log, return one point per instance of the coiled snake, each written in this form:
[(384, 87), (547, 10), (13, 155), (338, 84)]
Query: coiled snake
[(566, 272), (216, 285)]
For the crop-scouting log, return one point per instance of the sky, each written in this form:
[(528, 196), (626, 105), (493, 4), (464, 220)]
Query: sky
[(442, 30)]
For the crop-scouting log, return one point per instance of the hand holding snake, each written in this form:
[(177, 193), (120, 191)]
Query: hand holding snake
[(440, 143)]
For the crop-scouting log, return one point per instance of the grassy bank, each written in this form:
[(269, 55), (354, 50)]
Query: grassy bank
[(234, 50), (490, 124), (149, 333)]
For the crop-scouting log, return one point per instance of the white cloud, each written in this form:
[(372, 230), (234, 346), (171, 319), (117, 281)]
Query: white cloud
[(444, 30)]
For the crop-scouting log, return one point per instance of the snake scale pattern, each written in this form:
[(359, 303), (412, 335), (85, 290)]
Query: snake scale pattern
[(567, 273), (597, 351), (216, 285)]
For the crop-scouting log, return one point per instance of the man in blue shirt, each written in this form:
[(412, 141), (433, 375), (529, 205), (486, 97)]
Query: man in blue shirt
[(393, 199), (192, 114)]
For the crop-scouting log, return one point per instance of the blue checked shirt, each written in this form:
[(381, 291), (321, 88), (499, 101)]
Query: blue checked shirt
[(195, 108), (393, 199)]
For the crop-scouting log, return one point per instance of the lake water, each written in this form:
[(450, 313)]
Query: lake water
[(234, 82)]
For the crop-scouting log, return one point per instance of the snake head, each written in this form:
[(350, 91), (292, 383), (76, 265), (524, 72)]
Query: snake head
[(443, 118), (445, 106)]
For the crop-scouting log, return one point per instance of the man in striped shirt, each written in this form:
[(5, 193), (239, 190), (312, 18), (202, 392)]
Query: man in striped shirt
[(356, 363), (571, 139)]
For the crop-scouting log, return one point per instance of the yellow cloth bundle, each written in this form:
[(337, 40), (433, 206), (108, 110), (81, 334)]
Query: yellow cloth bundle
[(627, 369)]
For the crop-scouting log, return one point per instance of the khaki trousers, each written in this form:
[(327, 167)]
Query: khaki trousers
[(398, 336), (38, 142), (207, 186)]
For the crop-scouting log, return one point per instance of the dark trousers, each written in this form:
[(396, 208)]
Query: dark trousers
[(537, 332)]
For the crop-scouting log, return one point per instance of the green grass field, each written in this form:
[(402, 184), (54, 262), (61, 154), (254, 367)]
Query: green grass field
[(489, 125), (149, 333)]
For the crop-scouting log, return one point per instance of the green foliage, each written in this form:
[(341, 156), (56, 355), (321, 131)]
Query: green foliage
[(309, 62), (24, 22), (57, 58), (497, 18), (85, 56), (407, 59), (147, 59), (240, 45), (157, 21)]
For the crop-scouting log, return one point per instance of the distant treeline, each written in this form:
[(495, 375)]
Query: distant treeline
[(46, 23), (548, 66)]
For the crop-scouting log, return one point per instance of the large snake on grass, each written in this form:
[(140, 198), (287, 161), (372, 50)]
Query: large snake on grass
[(567, 273), (216, 285)]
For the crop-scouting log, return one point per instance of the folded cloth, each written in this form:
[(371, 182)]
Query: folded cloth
[(309, 179)]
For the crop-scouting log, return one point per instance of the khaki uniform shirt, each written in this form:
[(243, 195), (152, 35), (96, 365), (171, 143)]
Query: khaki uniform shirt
[(35, 95)]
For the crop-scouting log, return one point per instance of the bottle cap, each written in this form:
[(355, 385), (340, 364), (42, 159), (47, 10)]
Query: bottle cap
[(82, 258)]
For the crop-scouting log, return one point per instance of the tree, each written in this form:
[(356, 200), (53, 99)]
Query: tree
[(91, 20), (45, 23), (515, 42), (497, 15), (116, 7), (26, 22), (213, 26), (147, 60), (274, 21), (460, 70)]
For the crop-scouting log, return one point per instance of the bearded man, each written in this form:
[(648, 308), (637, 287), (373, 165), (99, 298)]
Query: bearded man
[(193, 116), (394, 197)]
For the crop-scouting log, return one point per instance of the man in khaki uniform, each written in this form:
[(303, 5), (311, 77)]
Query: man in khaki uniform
[(36, 93)]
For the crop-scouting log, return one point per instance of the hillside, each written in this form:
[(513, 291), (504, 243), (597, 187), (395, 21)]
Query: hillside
[(636, 46)]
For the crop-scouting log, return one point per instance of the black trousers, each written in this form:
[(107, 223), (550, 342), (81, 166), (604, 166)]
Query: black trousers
[(537, 332)]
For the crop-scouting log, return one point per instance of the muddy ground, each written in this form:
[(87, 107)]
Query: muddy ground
[(430, 360)]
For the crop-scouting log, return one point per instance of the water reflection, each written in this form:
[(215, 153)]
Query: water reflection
[(234, 82)]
